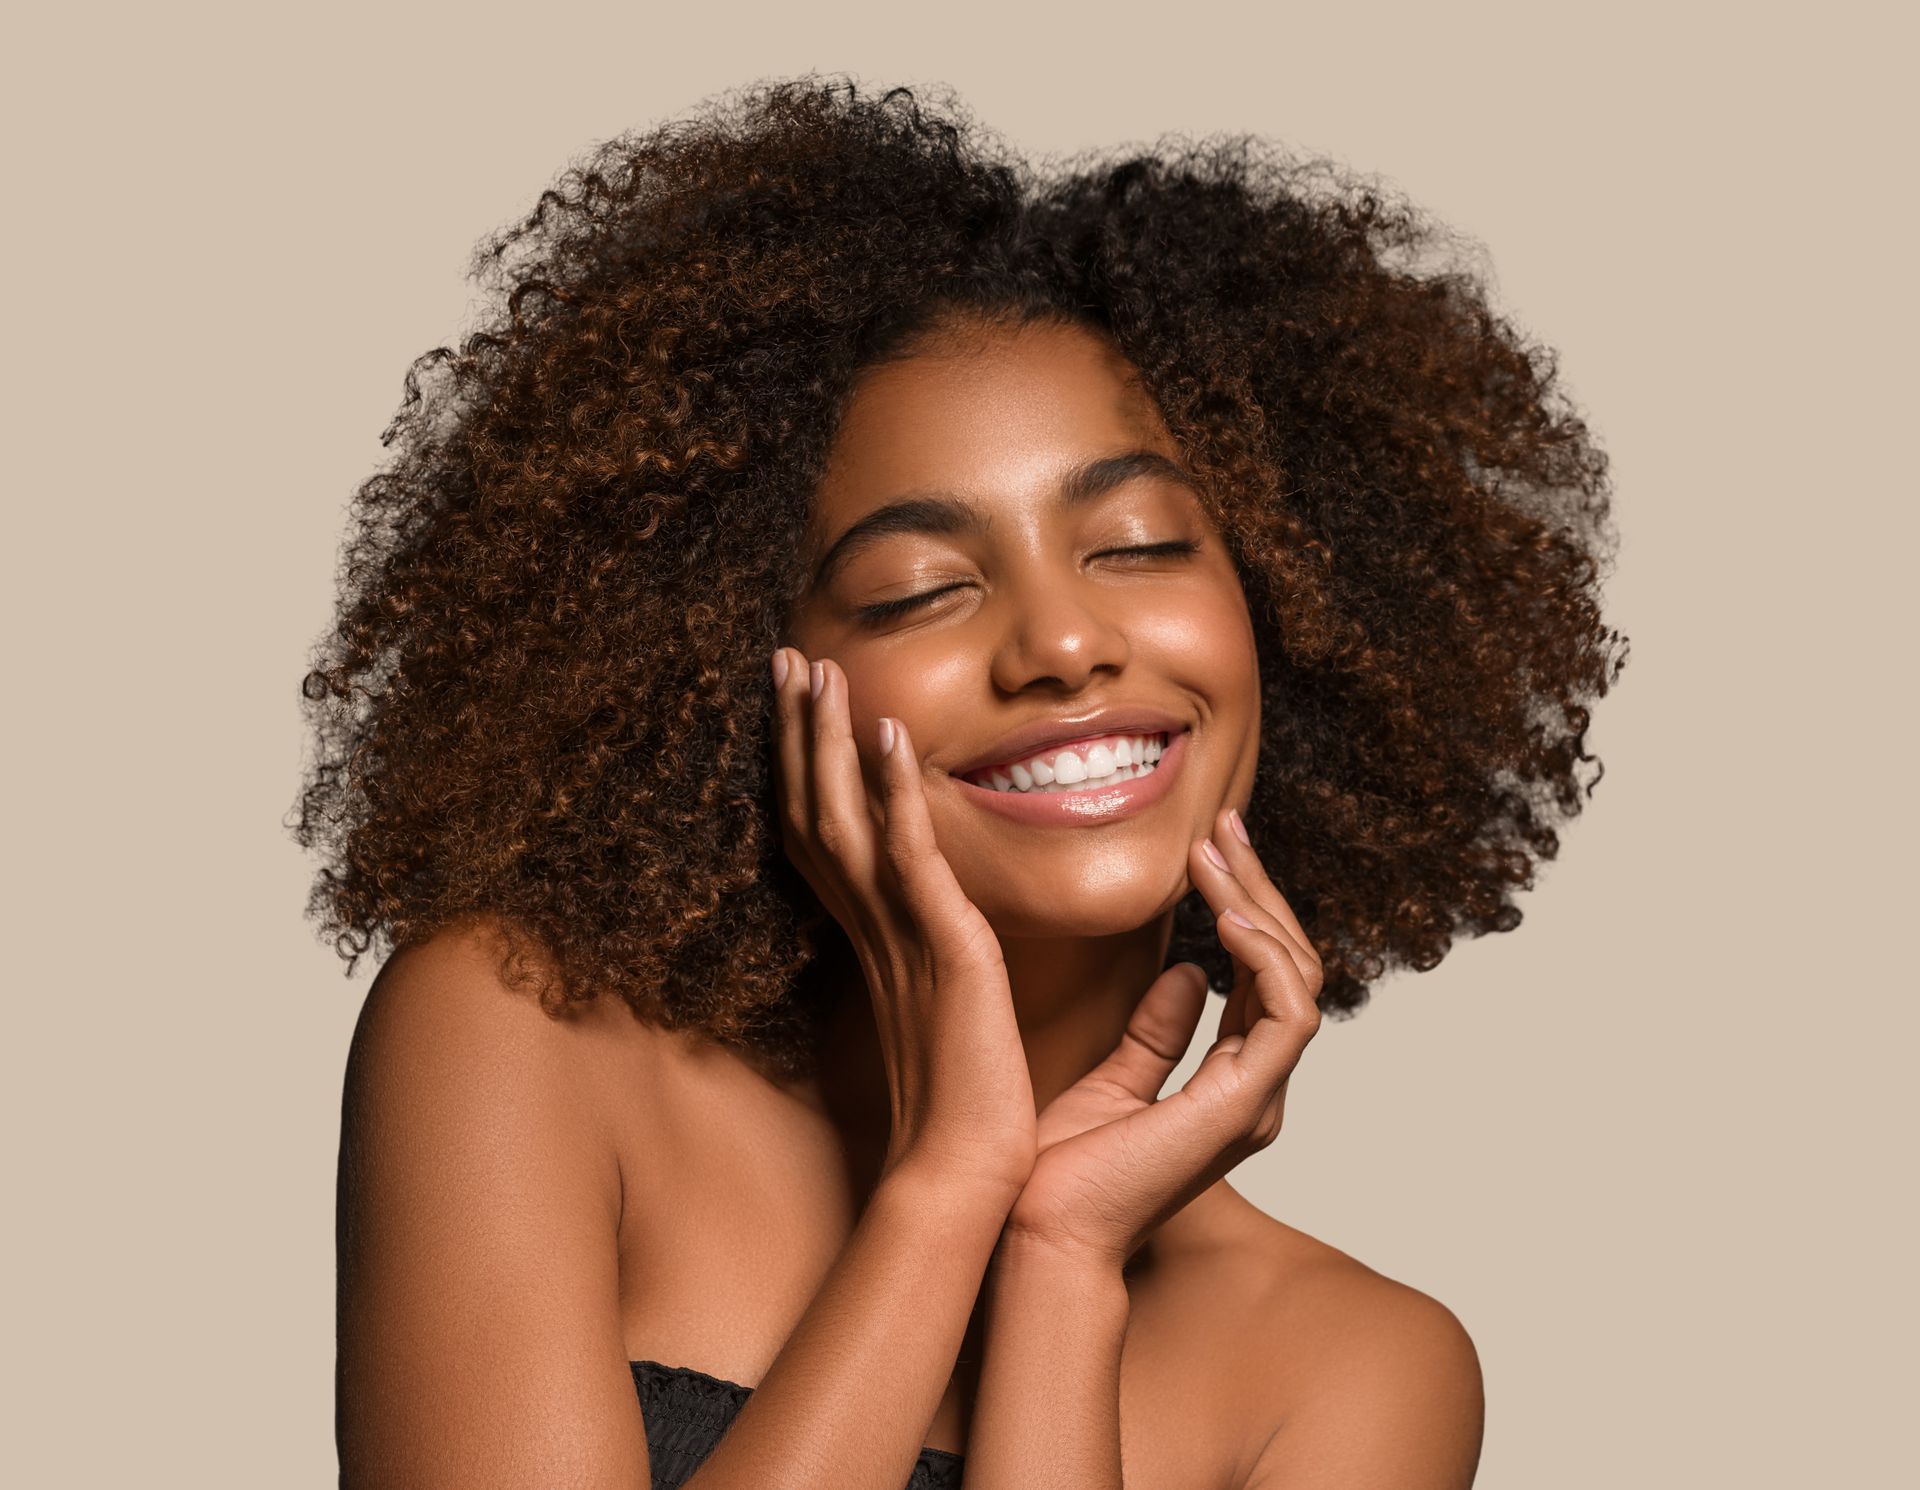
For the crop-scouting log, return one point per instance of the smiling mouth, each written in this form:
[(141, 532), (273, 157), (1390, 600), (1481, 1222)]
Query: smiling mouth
[(1120, 795), (1087, 765)]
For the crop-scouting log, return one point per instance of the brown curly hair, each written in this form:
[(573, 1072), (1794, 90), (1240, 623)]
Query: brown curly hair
[(544, 699)]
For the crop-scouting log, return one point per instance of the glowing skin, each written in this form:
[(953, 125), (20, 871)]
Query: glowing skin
[(1037, 620)]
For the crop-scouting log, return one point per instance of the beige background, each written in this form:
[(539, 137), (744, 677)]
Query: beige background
[(1653, 1148)]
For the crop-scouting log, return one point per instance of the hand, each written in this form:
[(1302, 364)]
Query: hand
[(1114, 1162), (956, 1067)]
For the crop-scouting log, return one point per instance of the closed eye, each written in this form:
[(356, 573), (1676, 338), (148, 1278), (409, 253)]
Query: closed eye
[(886, 610), (1155, 550)]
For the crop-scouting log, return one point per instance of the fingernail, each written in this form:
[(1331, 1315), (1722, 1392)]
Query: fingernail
[(781, 667), (1206, 847), (1239, 827), (816, 675), (1238, 919), (886, 735)]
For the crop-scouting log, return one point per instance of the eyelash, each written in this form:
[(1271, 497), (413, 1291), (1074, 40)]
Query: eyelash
[(887, 610)]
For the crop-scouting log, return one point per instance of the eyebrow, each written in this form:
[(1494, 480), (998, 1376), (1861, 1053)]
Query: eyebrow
[(942, 512)]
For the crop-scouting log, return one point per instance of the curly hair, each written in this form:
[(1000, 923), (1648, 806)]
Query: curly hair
[(543, 700)]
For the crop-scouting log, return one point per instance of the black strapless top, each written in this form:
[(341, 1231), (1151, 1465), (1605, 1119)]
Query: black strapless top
[(687, 1412)]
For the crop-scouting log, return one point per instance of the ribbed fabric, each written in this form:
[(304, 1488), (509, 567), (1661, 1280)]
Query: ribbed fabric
[(687, 1412)]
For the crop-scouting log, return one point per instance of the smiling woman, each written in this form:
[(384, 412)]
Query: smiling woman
[(837, 669)]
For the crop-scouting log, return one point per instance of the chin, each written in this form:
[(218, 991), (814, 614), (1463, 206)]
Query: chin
[(1114, 911)]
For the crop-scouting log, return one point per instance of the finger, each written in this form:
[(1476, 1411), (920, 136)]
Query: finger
[(1157, 1033), (1283, 1010), (1233, 1012), (1224, 1112), (1216, 1082), (1240, 1106), (793, 782), (1240, 1006), (841, 820), (926, 879), (1215, 876), (1231, 837), (1231, 1106), (1239, 1090), (1223, 891)]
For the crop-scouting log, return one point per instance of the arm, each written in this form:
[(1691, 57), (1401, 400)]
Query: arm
[(479, 1328), (1048, 1412), (480, 1337), (846, 1403), (1114, 1161), (891, 1313), (479, 1324)]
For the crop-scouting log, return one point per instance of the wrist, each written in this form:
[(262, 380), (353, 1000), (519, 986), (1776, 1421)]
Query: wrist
[(1059, 1264), (954, 1199), (1083, 1293), (984, 1180)]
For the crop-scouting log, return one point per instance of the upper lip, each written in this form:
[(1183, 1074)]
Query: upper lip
[(1038, 734)]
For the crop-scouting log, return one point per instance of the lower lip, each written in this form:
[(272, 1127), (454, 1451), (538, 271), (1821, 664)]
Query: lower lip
[(1100, 804)]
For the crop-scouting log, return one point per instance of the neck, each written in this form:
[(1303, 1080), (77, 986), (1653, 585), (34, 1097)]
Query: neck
[(1072, 997)]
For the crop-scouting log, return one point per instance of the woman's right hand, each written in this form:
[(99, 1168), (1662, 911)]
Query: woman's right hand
[(962, 1100)]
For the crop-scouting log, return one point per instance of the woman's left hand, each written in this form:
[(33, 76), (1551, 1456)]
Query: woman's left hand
[(1114, 1159)]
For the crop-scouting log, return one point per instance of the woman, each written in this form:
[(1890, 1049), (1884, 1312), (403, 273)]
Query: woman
[(836, 671)]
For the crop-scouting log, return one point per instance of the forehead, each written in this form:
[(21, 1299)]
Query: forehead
[(998, 414)]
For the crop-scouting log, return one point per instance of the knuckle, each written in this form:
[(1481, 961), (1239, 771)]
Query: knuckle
[(833, 836), (1217, 1109), (976, 942), (910, 852)]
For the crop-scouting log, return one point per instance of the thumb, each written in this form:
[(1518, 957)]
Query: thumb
[(1158, 1032)]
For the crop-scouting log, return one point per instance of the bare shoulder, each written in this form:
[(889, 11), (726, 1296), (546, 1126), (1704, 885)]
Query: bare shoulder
[(479, 1328), (454, 986), (1348, 1377), (444, 1021), (1354, 1314)]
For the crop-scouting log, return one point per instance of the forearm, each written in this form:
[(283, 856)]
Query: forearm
[(1047, 1416), (847, 1402)]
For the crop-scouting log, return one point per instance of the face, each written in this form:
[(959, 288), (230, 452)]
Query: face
[(1054, 585)]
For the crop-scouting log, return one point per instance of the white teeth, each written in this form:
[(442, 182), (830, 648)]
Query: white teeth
[(1121, 759), (1125, 773)]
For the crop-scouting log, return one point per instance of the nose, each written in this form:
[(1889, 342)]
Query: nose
[(1061, 631)]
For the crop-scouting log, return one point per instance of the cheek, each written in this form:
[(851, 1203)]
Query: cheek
[(1207, 648), (1204, 640), (920, 687)]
